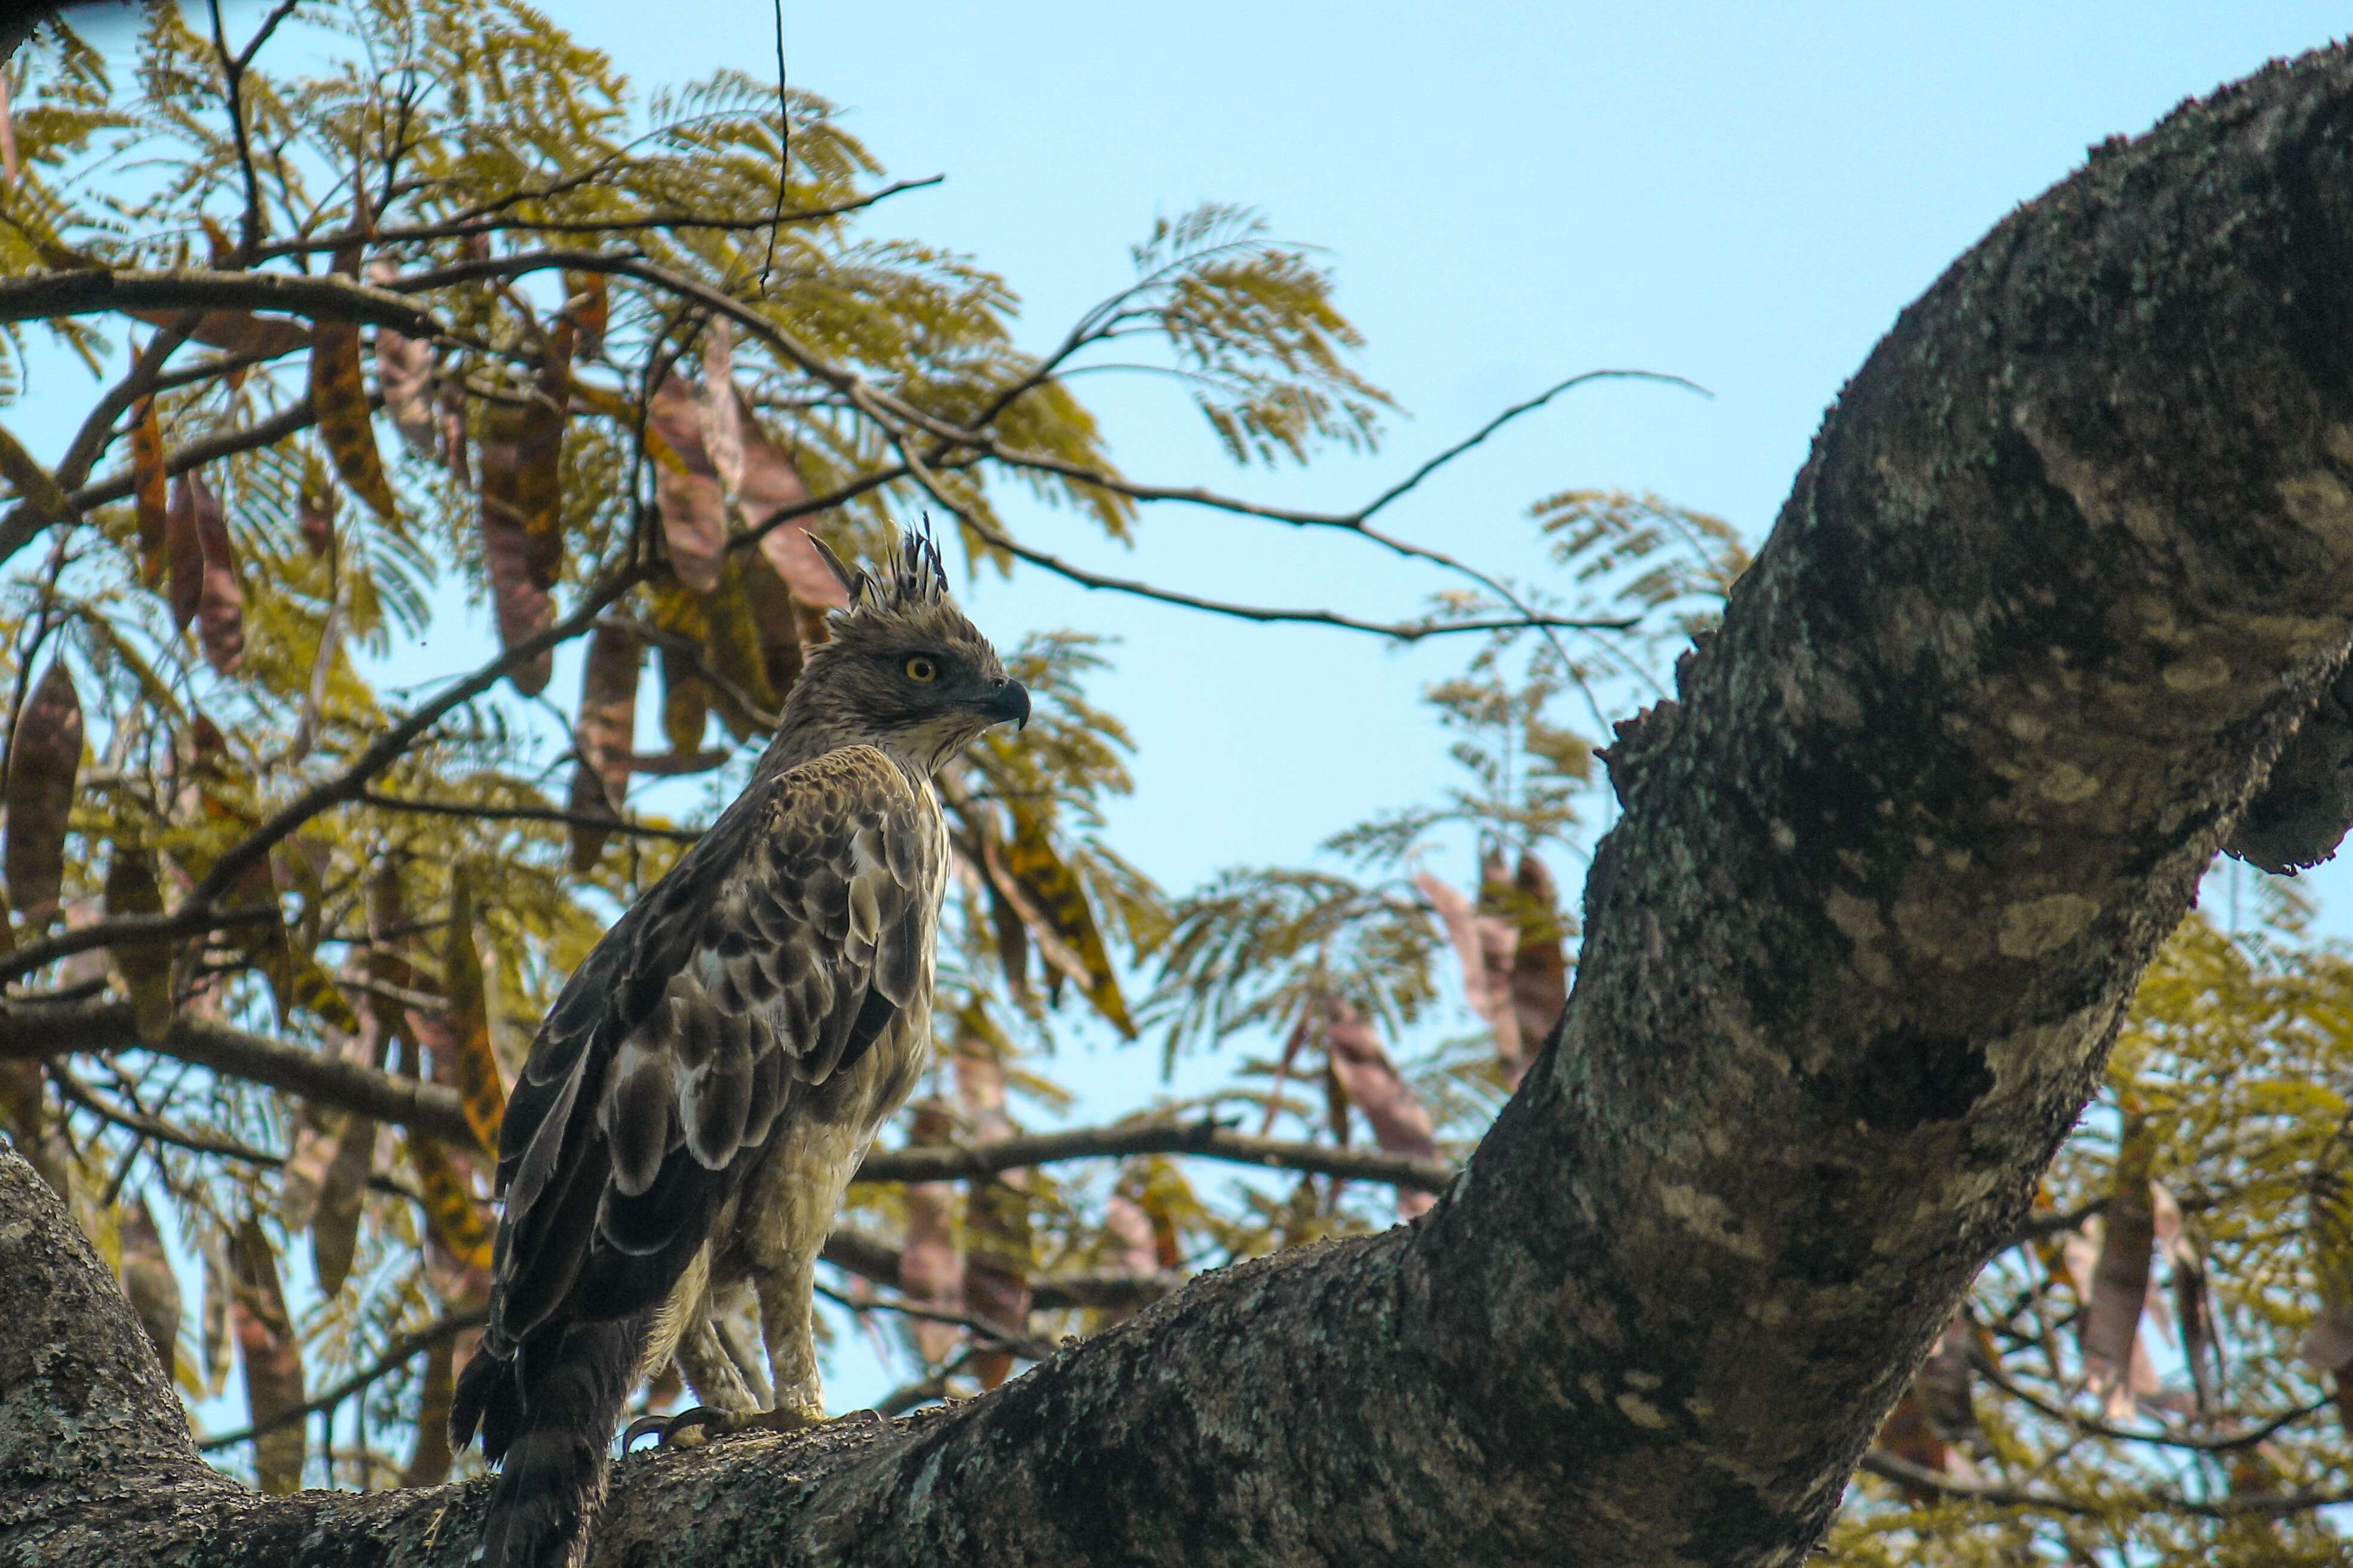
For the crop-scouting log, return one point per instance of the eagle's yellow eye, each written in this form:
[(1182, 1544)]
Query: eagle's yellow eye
[(922, 668)]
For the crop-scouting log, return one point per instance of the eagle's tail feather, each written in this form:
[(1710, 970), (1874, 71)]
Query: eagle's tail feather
[(546, 1418)]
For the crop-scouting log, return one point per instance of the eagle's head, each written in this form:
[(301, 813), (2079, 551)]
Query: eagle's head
[(904, 672)]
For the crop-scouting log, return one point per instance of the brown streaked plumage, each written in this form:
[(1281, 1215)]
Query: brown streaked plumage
[(714, 1070)]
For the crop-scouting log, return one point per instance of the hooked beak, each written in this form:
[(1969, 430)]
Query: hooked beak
[(1008, 700)]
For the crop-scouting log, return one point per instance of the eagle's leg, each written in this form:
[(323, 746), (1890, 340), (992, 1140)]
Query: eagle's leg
[(792, 1355), (785, 1293), (786, 1211), (735, 1317), (704, 1360)]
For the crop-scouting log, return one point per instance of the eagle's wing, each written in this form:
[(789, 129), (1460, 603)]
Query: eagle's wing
[(775, 953)]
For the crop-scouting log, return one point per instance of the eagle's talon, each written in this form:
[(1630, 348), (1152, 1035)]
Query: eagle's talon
[(686, 1429)]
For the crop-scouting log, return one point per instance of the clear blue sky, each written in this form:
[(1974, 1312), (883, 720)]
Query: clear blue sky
[(1742, 194)]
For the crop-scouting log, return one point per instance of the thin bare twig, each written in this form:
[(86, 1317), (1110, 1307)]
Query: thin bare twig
[(401, 1352), (2247, 1505), (195, 1142), (618, 224), (944, 1164), (1022, 1345), (529, 814), (1993, 1373)]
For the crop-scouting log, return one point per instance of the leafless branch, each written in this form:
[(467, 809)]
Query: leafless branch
[(1201, 1138), (2248, 1505), (1022, 1345), (1993, 1373), (196, 1143), (530, 814), (618, 224)]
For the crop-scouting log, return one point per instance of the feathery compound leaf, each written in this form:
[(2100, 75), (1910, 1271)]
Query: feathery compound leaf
[(1044, 881), (272, 1357), (144, 967), (342, 404), (484, 1096), (44, 756), (220, 598), (149, 488), (148, 1280), (518, 598)]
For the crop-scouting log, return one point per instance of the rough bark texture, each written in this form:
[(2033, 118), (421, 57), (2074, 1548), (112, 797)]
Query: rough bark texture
[(2071, 558)]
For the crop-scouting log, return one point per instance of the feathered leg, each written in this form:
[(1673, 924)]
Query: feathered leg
[(547, 1417), (710, 1369)]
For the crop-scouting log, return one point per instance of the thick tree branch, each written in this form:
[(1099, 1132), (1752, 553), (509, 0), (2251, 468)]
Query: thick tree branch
[(2070, 562), (32, 1032), (87, 290)]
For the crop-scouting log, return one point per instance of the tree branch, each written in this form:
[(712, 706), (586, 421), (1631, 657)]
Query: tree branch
[(621, 223), (326, 296), (2250, 1505), (529, 814), (1202, 1138), (398, 1354), (195, 1142), (31, 1031)]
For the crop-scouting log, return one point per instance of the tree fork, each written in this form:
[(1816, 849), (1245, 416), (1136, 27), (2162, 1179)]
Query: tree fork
[(2071, 560)]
